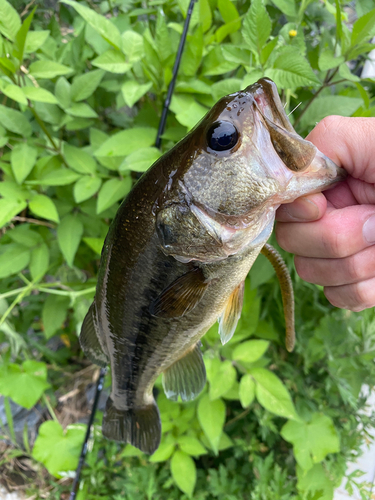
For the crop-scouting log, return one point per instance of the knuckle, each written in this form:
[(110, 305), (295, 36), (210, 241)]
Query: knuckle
[(302, 268), (352, 268)]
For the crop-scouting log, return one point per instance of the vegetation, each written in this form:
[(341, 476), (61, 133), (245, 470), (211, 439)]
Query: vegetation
[(82, 87)]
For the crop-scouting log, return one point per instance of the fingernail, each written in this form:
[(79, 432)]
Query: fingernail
[(368, 230), (302, 209)]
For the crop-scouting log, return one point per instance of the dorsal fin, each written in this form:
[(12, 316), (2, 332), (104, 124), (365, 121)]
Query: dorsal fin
[(181, 296), (231, 314), (186, 377)]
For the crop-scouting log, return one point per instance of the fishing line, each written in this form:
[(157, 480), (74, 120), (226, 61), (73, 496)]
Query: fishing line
[(163, 119)]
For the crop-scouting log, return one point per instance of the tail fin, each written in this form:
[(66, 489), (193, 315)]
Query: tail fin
[(140, 427)]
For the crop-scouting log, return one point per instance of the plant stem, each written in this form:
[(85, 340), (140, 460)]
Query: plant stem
[(8, 413), (50, 409)]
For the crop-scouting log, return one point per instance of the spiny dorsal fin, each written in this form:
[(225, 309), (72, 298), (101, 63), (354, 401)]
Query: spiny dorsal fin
[(231, 314), (186, 377), (181, 296), (89, 339)]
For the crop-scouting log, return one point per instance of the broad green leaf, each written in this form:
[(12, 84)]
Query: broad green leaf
[(95, 244), (317, 483), (9, 208), (225, 87), (162, 39), (140, 160), (211, 416), (328, 60), (323, 106), (191, 115), (223, 380), (256, 26), (112, 61), (247, 390), (101, 24), (215, 63), (86, 187), (229, 12), (272, 394), (39, 95), (14, 121), (19, 45), (312, 441), (69, 233), (39, 261), (261, 272), (163, 453), (82, 110), (42, 206), (25, 236), (287, 7), (48, 69), (127, 141), (35, 39), (15, 258), (10, 21), (61, 177), (345, 72), (364, 28), (24, 383), (205, 15), (62, 92), (290, 69), (79, 160), (56, 449), (111, 192), (250, 351), (132, 45), (132, 91), (50, 113), (22, 158), (13, 92), (191, 445), (54, 312), (184, 472), (85, 85)]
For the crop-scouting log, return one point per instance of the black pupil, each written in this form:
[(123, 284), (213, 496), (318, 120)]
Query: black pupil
[(222, 136)]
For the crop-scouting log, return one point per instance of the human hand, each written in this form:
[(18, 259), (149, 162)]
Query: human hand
[(333, 234)]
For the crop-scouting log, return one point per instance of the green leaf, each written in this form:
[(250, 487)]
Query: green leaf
[(101, 24), (9, 208), (184, 472), (82, 110), (42, 206), (312, 441), (205, 15), (69, 235), (323, 106), (25, 384), (48, 69), (290, 69), (163, 453), (229, 12), (247, 390), (61, 177), (211, 416), (132, 45), (39, 261), (10, 21), (257, 26), (56, 449), (272, 394), (20, 41), (225, 87), (328, 60), (85, 85), (95, 244), (62, 92), (364, 28), (54, 312), (86, 187), (112, 191), (112, 61), (140, 160), (191, 445), (15, 258), (132, 91), (14, 121), (287, 7), (250, 351), (223, 380), (35, 40), (127, 141), (318, 480), (215, 63), (261, 272), (13, 92), (22, 158), (79, 160), (39, 95)]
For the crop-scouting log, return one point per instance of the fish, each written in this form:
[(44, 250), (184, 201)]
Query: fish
[(180, 247)]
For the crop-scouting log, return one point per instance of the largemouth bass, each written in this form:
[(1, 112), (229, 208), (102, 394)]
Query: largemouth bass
[(180, 247)]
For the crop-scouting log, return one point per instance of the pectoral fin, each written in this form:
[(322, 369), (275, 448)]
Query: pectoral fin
[(89, 339), (186, 377), (231, 314), (181, 296)]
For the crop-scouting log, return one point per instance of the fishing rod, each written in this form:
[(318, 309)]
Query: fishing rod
[(103, 371)]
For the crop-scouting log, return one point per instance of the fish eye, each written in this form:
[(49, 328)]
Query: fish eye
[(222, 136)]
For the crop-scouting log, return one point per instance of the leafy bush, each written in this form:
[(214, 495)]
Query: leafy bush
[(83, 87)]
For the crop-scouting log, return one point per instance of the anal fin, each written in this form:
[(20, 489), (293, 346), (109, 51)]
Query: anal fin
[(186, 377), (231, 314), (89, 339), (181, 296)]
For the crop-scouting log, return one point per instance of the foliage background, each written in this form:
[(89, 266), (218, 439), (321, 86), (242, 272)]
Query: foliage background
[(82, 87)]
